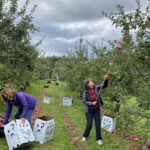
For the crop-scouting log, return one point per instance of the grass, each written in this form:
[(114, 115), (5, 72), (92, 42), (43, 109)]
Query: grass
[(61, 138)]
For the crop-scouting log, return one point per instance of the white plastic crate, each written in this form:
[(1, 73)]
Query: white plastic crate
[(47, 99), (18, 133), (67, 101), (44, 129), (108, 123)]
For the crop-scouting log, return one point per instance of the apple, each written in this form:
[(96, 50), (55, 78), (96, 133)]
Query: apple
[(120, 44), (132, 76), (71, 138), (126, 135), (121, 135), (70, 124), (115, 131), (71, 128)]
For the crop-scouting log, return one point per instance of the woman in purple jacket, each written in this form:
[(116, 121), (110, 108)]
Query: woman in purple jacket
[(24, 102)]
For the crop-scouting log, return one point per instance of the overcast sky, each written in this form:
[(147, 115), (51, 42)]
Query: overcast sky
[(62, 22)]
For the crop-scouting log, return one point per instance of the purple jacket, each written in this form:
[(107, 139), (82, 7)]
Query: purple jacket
[(23, 102)]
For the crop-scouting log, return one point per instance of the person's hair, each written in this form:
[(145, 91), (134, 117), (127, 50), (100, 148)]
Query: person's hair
[(9, 92), (86, 83)]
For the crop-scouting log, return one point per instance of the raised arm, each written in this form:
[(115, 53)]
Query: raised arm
[(105, 83)]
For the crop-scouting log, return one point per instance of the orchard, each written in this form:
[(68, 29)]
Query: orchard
[(128, 94)]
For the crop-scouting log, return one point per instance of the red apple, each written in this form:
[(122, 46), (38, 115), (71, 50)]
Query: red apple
[(132, 76), (71, 138)]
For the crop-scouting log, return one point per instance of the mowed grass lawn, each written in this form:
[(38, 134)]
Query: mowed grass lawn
[(61, 138)]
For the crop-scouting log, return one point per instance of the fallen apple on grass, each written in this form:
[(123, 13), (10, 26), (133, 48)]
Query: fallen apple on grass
[(115, 132)]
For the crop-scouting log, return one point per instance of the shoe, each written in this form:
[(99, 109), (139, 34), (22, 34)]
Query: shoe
[(99, 142), (83, 139)]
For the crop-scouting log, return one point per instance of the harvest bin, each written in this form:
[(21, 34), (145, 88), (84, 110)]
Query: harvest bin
[(47, 99), (44, 129), (49, 81), (46, 86), (18, 134), (108, 122), (67, 101)]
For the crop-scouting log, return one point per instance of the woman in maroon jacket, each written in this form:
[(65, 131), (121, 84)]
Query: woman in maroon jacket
[(92, 108)]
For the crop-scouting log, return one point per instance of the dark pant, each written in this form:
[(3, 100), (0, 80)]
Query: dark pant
[(93, 113), (28, 115)]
